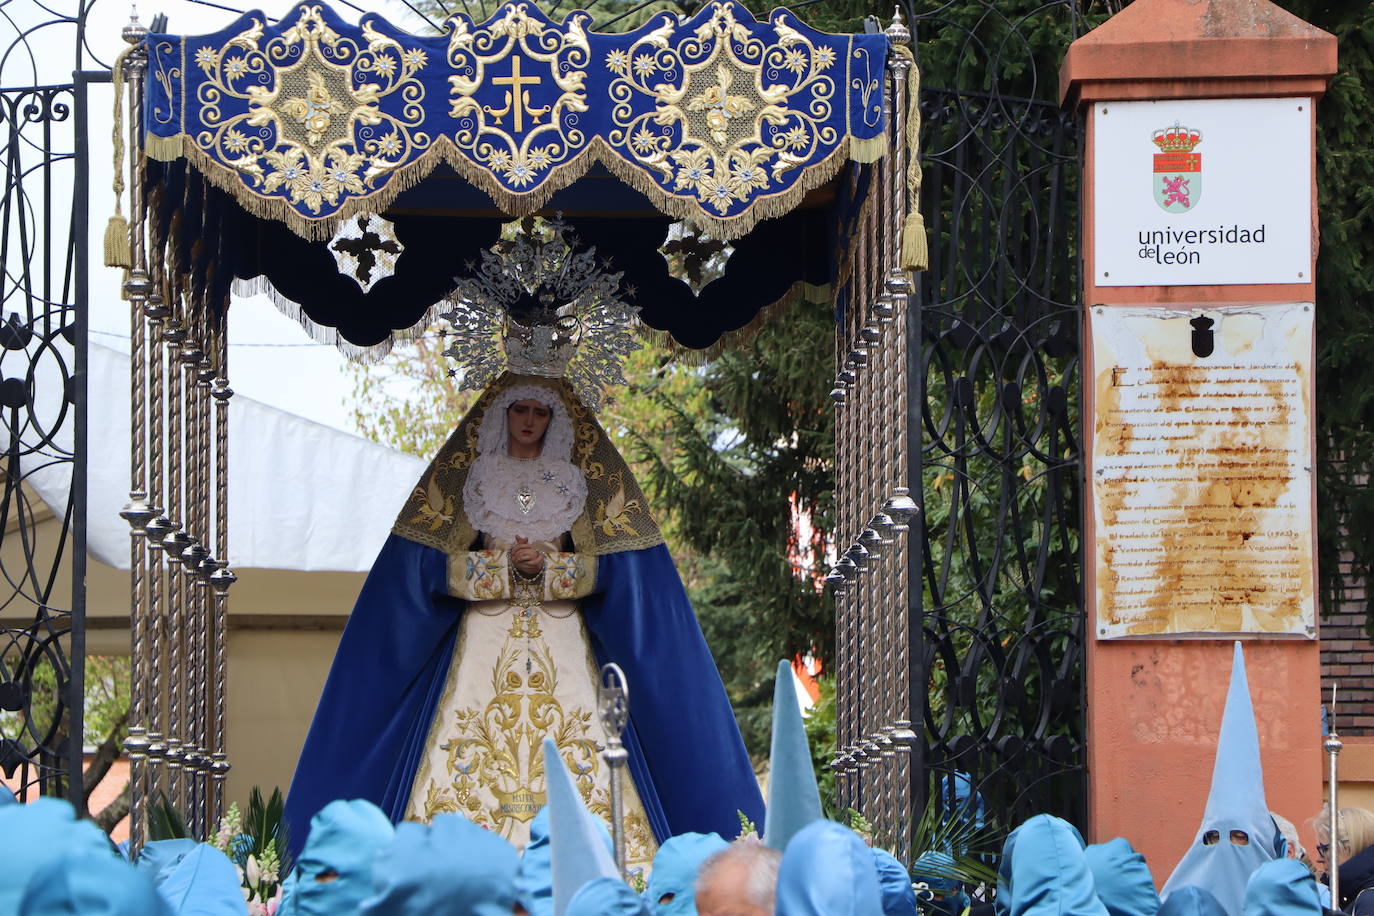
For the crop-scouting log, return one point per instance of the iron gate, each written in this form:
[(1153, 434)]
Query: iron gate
[(960, 658)]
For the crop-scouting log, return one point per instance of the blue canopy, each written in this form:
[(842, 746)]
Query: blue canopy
[(264, 139)]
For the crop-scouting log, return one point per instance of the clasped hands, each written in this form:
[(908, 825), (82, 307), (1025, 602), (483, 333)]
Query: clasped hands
[(529, 560)]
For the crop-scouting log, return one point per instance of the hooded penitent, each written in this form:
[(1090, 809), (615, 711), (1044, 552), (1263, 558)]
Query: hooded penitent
[(943, 892), (1237, 834), (534, 880), (1283, 887), (828, 870), (33, 835), (333, 874), (672, 886), (579, 856), (793, 799), (1044, 872), (92, 884), (688, 764), (158, 857), (1123, 880), (899, 897), (607, 897), (1191, 901), (203, 882), (449, 867)]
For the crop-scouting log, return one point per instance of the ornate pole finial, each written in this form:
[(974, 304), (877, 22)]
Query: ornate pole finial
[(897, 32), (1332, 744), (135, 31), (613, 706)]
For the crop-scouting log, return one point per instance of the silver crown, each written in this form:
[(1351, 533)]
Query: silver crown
[(539, 305)]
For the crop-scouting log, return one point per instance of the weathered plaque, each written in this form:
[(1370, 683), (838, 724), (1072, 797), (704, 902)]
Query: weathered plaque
[(1202, 191), (1201, 470)]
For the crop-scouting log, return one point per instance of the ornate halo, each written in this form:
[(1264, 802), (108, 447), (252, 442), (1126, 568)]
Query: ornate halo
[(537, 304)]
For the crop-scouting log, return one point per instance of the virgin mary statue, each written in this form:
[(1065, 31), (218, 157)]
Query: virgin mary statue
[(524, 558)]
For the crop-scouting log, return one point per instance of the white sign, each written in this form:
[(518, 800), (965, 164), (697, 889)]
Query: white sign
[(1201, 470), (1203, 191)]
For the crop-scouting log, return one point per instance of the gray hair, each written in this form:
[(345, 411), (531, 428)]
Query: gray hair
[(760, 864), (1290, 835)]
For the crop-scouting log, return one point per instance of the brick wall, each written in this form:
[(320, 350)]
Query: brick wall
[(1348, 660)]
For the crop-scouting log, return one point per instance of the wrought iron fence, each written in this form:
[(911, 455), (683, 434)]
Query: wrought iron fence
[(970, 627), (43, 223)]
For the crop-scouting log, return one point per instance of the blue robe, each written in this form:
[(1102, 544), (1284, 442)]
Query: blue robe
[(686, 756)]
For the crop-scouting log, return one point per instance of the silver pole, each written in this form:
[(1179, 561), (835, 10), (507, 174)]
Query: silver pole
[(613, 702), (1333, 750)]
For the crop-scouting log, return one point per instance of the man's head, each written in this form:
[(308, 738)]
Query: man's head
[(740, 880)]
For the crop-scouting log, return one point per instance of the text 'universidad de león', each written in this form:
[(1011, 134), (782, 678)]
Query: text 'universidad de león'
[(1187, 246)]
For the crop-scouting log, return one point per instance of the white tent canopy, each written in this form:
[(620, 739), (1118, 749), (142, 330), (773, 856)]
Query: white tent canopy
[(302, 496)]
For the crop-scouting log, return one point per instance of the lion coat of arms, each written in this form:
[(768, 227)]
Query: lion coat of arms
[(1178, 170)]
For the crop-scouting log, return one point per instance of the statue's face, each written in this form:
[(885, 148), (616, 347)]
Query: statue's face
[(526, 422)]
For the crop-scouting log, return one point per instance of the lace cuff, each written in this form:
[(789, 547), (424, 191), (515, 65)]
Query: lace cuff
[(569, 575), (479, 575)]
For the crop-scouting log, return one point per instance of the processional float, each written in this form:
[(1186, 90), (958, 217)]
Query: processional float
[(349, 171)]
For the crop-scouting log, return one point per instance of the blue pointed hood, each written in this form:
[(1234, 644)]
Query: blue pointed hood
[(203, 882), (676, 865), (88, 883), (449, 867), (1044, 871), (793, 799), (1283, 887), (1235, 805), (35, 834), (894, 882), (1123, 880), (577, 852), (1191, 901), (827, 870), (534, 881), (607, 897), (333, 874)]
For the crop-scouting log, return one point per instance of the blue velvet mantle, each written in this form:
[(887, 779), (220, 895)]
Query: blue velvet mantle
[(686, 755)]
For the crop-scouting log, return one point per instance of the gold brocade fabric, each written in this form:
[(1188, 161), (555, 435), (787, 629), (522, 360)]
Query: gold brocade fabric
[(520, 674), (616, 517)]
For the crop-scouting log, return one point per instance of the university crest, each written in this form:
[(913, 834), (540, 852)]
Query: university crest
[(1178, 170)]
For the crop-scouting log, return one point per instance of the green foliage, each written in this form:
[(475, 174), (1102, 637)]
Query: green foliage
[(731, 484), (820, 735), (165, 822), (1344, 375), (266, 824)]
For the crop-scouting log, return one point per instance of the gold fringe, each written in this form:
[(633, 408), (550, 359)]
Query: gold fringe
[(117, 253), (515, 204), (915, 246), (163, 149), (870, 150)]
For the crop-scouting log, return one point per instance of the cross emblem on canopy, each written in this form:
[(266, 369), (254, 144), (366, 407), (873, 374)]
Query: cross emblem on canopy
[(517, 97)]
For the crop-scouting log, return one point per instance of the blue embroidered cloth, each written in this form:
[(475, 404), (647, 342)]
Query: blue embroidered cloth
[(718, 118)]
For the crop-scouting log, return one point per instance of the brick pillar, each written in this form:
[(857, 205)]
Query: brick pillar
[(1155, 704)]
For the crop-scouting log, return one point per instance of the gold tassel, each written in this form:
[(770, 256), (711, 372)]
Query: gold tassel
[(915, 247), (117, 252)]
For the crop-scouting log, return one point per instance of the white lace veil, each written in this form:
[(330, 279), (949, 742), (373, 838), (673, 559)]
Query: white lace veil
[(555, 489)]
